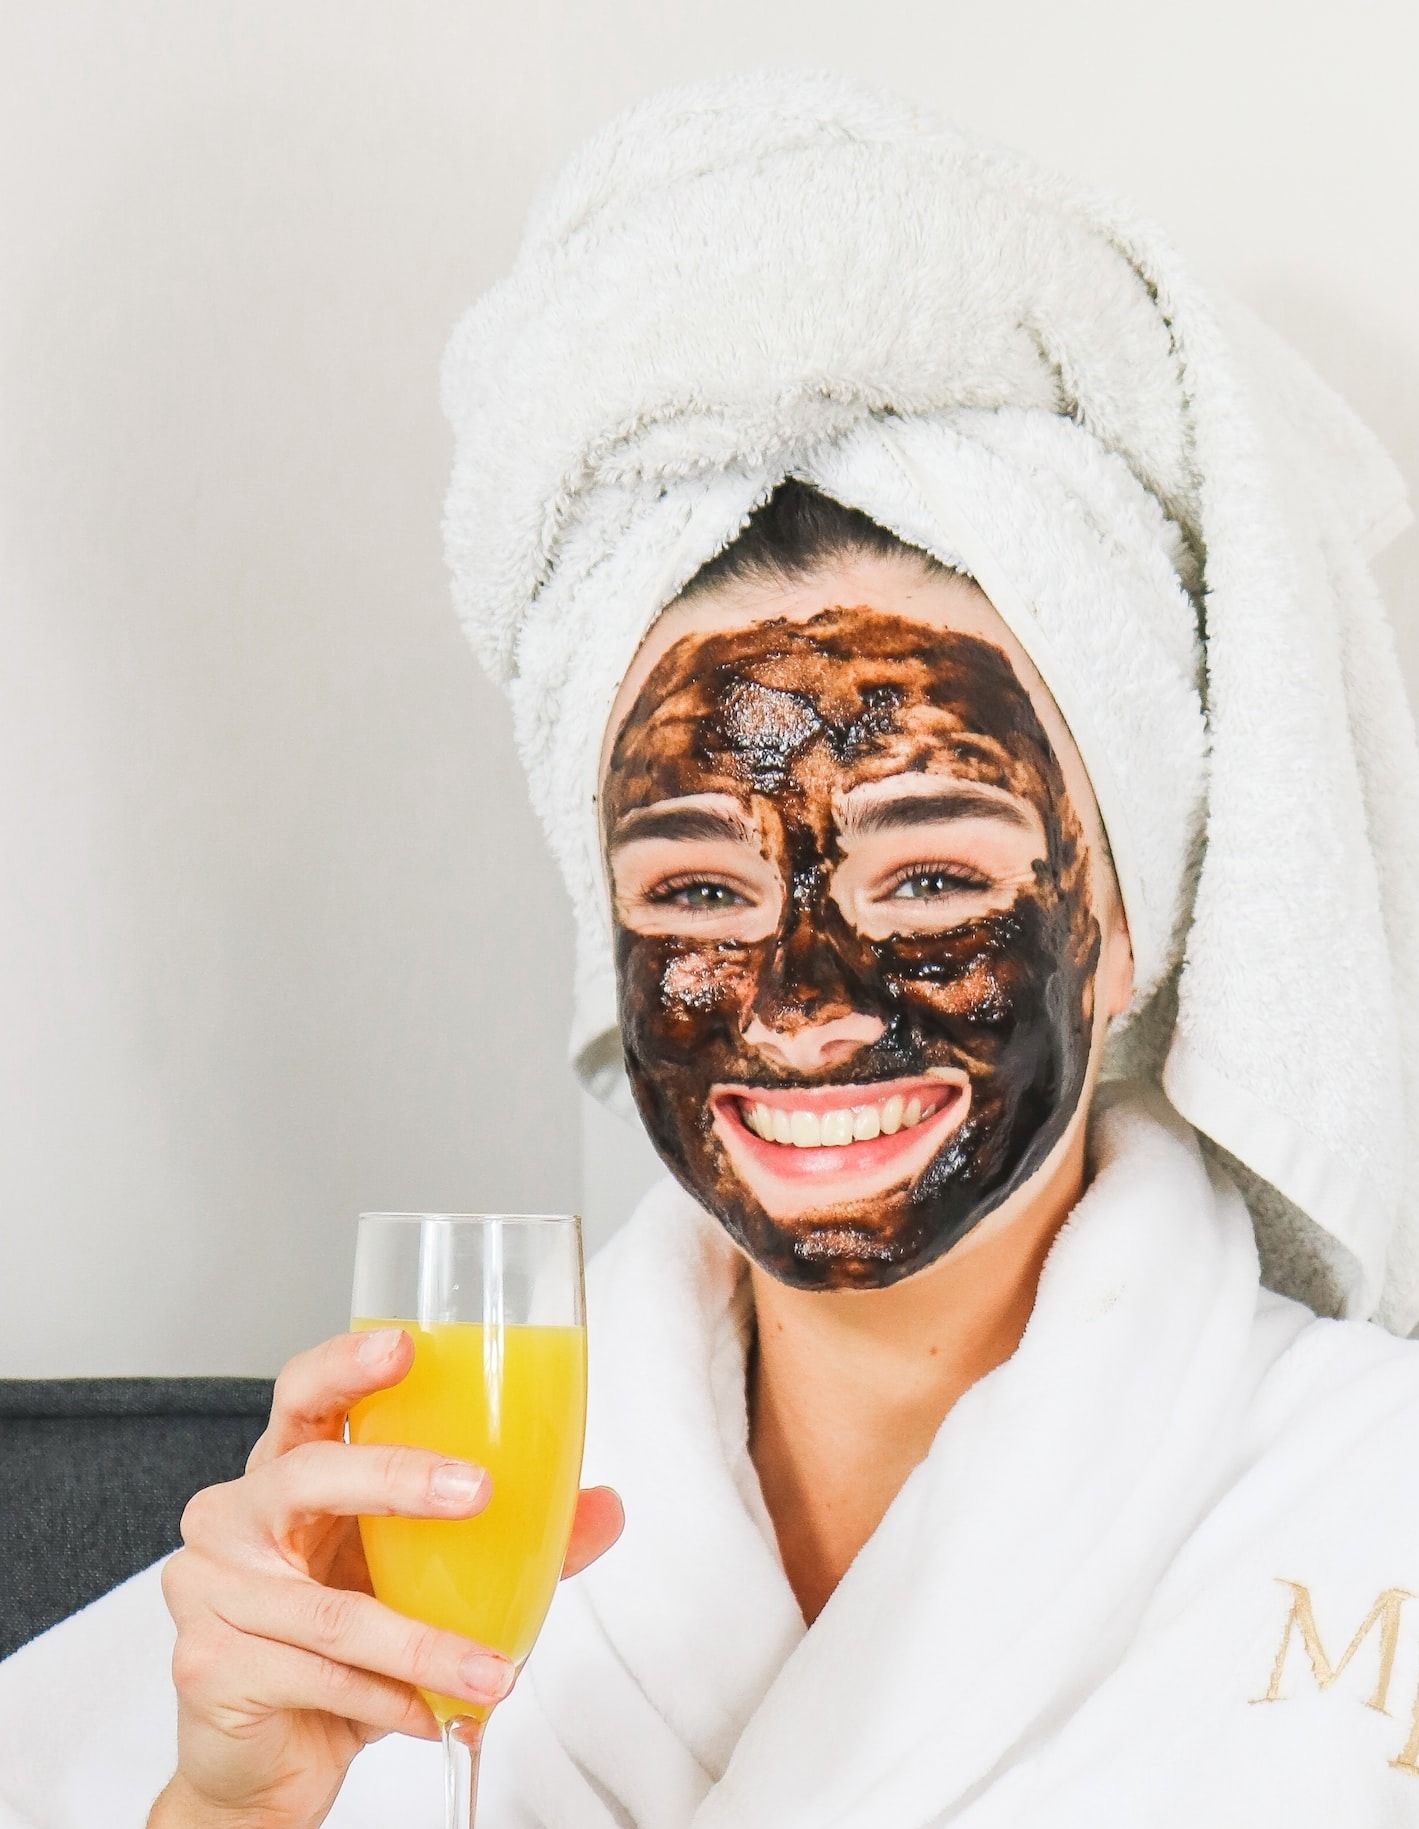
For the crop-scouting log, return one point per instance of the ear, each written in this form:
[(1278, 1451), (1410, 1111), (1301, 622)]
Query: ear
[(1115, 975)]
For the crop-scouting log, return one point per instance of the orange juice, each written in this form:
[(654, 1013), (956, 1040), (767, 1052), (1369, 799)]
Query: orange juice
[(511, 1399)]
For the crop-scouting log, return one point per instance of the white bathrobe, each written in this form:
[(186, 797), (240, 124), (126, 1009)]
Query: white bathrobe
[(1159, 1567)]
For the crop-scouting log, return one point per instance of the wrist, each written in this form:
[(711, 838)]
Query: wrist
[(178, 1806)]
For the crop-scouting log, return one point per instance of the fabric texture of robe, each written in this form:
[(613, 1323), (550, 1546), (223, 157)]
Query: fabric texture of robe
[(1159, 1566)]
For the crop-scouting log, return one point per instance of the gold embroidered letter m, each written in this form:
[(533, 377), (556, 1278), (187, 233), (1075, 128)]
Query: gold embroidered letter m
[(1384, 1613)]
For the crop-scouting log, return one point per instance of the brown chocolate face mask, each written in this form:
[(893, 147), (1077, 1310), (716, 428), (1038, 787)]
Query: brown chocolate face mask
[(988, 1002)]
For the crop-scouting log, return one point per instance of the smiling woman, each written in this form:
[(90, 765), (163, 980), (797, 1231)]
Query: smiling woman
[(941, 643)]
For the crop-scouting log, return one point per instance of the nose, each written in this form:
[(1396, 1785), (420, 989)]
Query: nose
[(804, 1016), (812, 1045)]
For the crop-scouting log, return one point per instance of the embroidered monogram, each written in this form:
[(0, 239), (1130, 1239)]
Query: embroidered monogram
[(1386, 1615)]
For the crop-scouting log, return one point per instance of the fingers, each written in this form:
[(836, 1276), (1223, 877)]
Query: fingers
[(315, 1389), (330, 1479), (599, 1521), (274, 1676), (350, 1629)]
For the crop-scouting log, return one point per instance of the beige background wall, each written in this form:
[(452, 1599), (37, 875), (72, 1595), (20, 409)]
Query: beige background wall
[(279, 939)]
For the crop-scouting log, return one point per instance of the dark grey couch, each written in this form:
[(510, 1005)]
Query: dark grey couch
[(94, 1475)]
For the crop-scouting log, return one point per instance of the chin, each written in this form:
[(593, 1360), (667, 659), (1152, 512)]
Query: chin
[(825, 1250)]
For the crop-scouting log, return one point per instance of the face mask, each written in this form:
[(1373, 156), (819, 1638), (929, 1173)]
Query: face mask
[(757, 922)]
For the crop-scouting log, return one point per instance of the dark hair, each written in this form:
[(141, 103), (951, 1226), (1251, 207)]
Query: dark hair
[(797, 528)]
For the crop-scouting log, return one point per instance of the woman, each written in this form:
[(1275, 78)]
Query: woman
[(969, 1461)]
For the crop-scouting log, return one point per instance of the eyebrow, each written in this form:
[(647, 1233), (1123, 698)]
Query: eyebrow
[(918, 809), (682, 823), (891, 813)]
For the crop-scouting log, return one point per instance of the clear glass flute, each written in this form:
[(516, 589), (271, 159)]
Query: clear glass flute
[(495, 1304)]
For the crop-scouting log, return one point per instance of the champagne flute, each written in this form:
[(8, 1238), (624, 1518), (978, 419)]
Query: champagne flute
[(495, 1305)]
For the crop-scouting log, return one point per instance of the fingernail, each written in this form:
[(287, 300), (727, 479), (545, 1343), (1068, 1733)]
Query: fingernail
[(486, 1676), (378, 1344), (456, 1482)]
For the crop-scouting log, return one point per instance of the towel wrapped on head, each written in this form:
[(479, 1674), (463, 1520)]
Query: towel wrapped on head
[(787, 273)]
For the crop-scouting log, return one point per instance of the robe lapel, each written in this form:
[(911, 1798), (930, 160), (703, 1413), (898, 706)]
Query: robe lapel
[(693, 1600)]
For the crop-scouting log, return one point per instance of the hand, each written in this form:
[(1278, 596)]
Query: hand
[(285, 1664)]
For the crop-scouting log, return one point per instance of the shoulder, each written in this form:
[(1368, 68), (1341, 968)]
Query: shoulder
[(1320, 1472), (667, 1238), (1349, 1388)]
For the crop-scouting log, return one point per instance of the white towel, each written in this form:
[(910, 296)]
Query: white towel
[(786, 272), (1126, 1584)]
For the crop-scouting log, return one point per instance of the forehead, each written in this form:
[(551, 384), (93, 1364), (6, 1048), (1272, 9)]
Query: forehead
[(848, 688)]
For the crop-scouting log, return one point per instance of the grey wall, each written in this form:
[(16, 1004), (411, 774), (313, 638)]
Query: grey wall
[(279, 938)]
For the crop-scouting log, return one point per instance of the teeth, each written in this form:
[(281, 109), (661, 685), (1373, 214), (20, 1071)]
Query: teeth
[(805, 1129), (833, 1129), (836, 1126)]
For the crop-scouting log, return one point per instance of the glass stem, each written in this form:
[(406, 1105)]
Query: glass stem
[(462, 1749)]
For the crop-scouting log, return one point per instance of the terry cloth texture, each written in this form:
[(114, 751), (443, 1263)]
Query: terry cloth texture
[(788, 273)]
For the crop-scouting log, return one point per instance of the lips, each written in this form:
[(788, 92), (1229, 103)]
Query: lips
[(789, 1181)]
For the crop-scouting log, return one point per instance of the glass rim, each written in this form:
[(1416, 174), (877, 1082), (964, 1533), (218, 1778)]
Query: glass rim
[(506, 1219)]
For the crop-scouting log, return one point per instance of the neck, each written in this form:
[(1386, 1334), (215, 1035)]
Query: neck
[(847, 1389)]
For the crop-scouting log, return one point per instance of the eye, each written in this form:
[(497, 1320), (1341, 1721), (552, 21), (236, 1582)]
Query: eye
[(934, 882), (695, 894)]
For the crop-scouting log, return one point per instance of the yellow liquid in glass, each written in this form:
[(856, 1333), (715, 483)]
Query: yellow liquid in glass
[(513, 1400)]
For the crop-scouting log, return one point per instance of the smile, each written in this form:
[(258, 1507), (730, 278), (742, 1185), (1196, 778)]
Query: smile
[(842, 1125), (803, 1147)]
